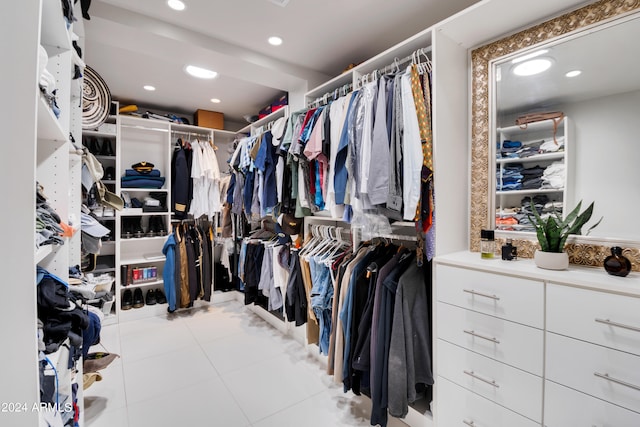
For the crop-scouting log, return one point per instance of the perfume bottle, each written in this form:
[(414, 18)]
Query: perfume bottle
[(487, 244), (617, 264), (509, 252)]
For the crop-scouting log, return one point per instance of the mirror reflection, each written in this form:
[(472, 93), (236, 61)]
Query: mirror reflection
[(589, 149)]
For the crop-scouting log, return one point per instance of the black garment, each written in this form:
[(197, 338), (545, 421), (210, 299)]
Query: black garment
[(85, 4), (380, 371), (193, 266), (181, 183), (252, 269), (295, 301), (206, 263)]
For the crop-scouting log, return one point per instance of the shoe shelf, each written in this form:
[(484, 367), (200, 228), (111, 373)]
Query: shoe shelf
[(109, 181), (106, 218), (102, 157), (142, 239), (99, 134), (159, 258), (140, 213), (143, 284)]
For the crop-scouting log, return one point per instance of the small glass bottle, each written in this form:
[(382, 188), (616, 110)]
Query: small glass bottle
[(617, 264), (487, 244)]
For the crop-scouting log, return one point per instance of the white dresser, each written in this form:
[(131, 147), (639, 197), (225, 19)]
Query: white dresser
[(516, 345)]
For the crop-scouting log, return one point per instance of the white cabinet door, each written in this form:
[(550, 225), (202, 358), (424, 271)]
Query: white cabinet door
[(606, 319), (566, 407), (457, 407), (510, 387), (508, 342), (511, 298), (607, 374)]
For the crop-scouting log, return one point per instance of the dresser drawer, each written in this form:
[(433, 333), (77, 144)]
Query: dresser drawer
[(601, 372), (512, 343), (458, 407), (606, 319), (503, 384), (512, 298), (566, 407)]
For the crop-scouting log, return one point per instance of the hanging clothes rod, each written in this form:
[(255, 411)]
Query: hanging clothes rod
[(144, 128)]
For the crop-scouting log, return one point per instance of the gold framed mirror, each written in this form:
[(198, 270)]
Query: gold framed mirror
[(580, 251)]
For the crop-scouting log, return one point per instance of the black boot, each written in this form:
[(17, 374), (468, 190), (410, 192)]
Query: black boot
[(127, 300), (136, 227), (106, 149), (127, 230), (94, 146), (151, 297)]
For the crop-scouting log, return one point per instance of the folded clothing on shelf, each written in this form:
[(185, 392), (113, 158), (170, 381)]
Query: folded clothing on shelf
[(133, 172), (142, 182)]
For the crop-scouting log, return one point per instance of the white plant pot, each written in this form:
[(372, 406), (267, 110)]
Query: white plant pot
[(551, 260)]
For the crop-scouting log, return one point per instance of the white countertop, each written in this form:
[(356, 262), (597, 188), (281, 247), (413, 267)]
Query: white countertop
[(595, 278)]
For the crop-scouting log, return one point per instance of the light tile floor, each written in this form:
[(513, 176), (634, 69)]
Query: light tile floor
[(220, 366)]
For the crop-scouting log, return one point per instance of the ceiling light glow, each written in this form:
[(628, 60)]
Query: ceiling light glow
[(574, 73), (534, 66), (275, 41), (176, 4), (529, 56), (201, 73), (149, 88), (215, 100)]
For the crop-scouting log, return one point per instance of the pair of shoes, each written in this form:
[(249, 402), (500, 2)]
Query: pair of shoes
[(109, 173), (156, 226), (131, 227), (127, 300), (160, 298), (138, 301), (94, 146), (98, 361), (106, 149), (150, 299)]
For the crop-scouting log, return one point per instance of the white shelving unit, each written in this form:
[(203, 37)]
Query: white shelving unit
[(533, 133)]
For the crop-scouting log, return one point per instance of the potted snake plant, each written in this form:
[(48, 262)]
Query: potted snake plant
[(552, 233)]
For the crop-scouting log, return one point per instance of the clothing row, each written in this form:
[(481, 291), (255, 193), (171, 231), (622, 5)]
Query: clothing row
[(195, 180), (188, 266), (369, 150), (515, 176), (518, 217), (517, 150)]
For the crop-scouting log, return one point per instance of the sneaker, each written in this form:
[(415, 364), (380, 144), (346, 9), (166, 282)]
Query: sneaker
[(138, 301), (127, 300), (151, 297)]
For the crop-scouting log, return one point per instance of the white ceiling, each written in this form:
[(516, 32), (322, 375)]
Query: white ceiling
[(144, 42)]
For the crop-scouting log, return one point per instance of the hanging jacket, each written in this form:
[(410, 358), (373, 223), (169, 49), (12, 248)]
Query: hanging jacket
[(169, 272)]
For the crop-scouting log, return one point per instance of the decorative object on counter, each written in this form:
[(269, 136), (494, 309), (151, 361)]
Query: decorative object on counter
[(509, 252), (487, 244), (617, 264), (552, 233)]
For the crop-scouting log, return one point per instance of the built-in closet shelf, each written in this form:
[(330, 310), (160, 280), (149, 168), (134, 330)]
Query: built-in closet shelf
[(101, 158), (142, 239), (531, 127), (537, 158), (177, 127), (336, 82), (43, 252), (157, 258), (527, 192), (109, 181), (143, 284), (49, 128), (53, 32), (224, 132), (282, 112), (138, 213), (99, 134), (103, 270), (106, 218), (144, 190)]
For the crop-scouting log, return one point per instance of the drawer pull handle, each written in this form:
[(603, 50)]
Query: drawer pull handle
[(473, 375), (618, 325), (617, 381), (480, 294), (474, 334), (469, 423)]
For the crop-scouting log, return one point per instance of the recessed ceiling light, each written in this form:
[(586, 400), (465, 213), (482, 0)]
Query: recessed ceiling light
[(176, 4), (275, 41), (215, 100), (534, 66), (530, 56), (149, 88), (574, 73), (201, 73)]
